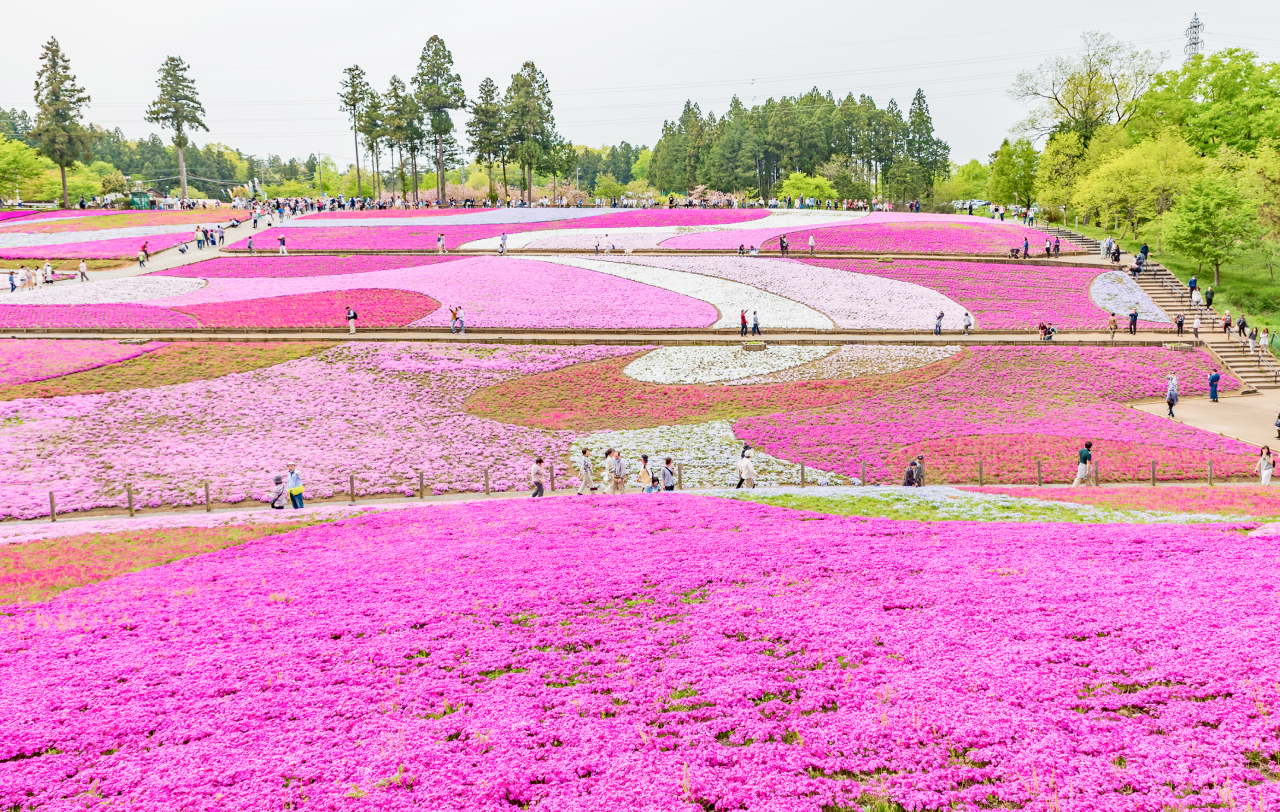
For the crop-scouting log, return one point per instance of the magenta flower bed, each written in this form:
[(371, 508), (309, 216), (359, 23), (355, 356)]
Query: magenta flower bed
[(298, 267), (661, 652), (1067, 392), (972, 236), (134, 316), (6, 216), (37, 359), (664, 218), (1000, 295), (375, 308), (374, 214), (130, 219), (119, 248)]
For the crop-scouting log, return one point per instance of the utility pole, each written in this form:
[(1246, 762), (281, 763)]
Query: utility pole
[(1194, 44)]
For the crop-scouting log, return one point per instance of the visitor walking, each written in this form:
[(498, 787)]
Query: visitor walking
[(1178, 321), (251, 251), (668, 476), (617, 472), (1056, 246), (755, 323), (1112, 326), (784, 245), (1171, 394), (1133, 322), (742, 329), (461, 318), (1226, 322), (283, 252), (440, 243), (1208, 296), (142, 256), (84, 277), (968, 322), (502, 244), (810, 245), (1265, 465), (351, 320), (1085, 462), (597, 244), (13, 284), (746, 471), (1214, 377), (643, 476), (277, 496), (199, 239), (937, 323), (294, 480), (584, 471), (1195, 327), (535, 477)]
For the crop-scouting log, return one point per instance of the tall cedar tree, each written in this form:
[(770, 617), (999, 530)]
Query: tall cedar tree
[(352, 100), (529, 121), (58, 134), (484, 130), (177, 108), (438, 90)]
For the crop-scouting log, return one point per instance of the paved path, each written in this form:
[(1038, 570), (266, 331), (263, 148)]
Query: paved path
[(1248, 418)]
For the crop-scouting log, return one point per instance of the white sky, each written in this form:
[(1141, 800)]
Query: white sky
[(268, 72)]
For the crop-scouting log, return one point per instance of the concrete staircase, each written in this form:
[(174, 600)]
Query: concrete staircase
[(1087, 243)]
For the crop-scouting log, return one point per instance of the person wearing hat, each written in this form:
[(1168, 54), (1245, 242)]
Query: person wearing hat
[(294, 481), (277, 496)]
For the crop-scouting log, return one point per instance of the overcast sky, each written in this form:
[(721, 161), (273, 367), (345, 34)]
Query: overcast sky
[(268, 72)]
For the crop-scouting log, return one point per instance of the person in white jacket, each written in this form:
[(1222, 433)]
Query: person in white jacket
[(746, 471)]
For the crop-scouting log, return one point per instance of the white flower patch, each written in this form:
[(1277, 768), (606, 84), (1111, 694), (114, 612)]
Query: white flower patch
[(709, 452), (715, 364), (108, 291), (582, 238), (789, 219), (1116, 292), (856, 361), (727, 296), (16, 240)]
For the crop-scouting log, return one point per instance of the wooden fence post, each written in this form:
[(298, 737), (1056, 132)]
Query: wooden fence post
[(802, 474), (486, 482), (1153, 473), (422, 491), (864, 473), (1039, 473), (680, 476), (351, 486), (207, 505), (979, 473), (128, 492), (1097, 475), (1211, 472), (53, 509), (551, 469)]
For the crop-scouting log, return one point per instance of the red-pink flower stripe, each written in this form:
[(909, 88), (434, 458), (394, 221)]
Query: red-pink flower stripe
[(1071, 392), (999, 295), (276, 267), (36, 359), (132, 316), (119, 248), (656, 653), (374, 308)]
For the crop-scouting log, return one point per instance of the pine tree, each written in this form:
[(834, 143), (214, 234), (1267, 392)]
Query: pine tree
[(485, 130), (529, 123), (438, 90), (352, 101), (177, 108), (58, 134)]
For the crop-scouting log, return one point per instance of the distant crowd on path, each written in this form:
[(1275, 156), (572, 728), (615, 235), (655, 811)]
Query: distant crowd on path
[(615, 476), (24, 278)]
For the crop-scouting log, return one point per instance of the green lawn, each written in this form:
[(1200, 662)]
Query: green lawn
[(1246, 285)]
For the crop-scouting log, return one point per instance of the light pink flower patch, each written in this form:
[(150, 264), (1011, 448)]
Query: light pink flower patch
[(275, 267), (374, 308), (119, 248), (659, 653), (133, 316), (25, 360), (968, 235)]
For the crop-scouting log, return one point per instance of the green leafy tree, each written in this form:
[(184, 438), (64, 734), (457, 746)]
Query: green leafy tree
[(114, 182), (15, 124), (372, 130), (177, 108), (352, 100), (19, 165), (529, 121), (1058, 170), (58, 133), (1213, 221), (485, 130), (397, 112), (1141, 183), (607, 186), (799, 185), (1013, 173), (438, 90)]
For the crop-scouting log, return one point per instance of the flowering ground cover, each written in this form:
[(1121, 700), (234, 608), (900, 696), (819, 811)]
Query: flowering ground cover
[(854, 300), (25, 361), (375, 308), (381, 214), (969, 235), (128, 219), (301, 266), (131, 289), (1004, 295), (384, 412), (859, 360), (161, 365), (93, 316), (110, 248), (601, 396), (662, 652), (9, 216), (1027, 403), (1232, 500), (933, 503), (717, 364)]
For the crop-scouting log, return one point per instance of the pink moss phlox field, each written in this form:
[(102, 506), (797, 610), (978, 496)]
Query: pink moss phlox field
[(118, 248), (26, 360), (1073, 392), (999, 295), (661, 653), (131, 219), (972, 236), (9, 216), (378, 214), (1234, 501), (135, 316), (375, 308), (294, 267), (383, 412)]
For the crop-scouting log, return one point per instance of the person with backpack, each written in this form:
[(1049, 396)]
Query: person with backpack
[(294, 481), (277, 498), (351, 321), (668, 476)]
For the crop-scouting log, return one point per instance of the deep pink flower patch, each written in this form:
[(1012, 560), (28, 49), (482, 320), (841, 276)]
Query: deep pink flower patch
[(972, 236), (8, 216), (662, 652), (375, 308), (128, 219), (25, 360), (118, 248), (131, 316), (378, 214), (300, 266)]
